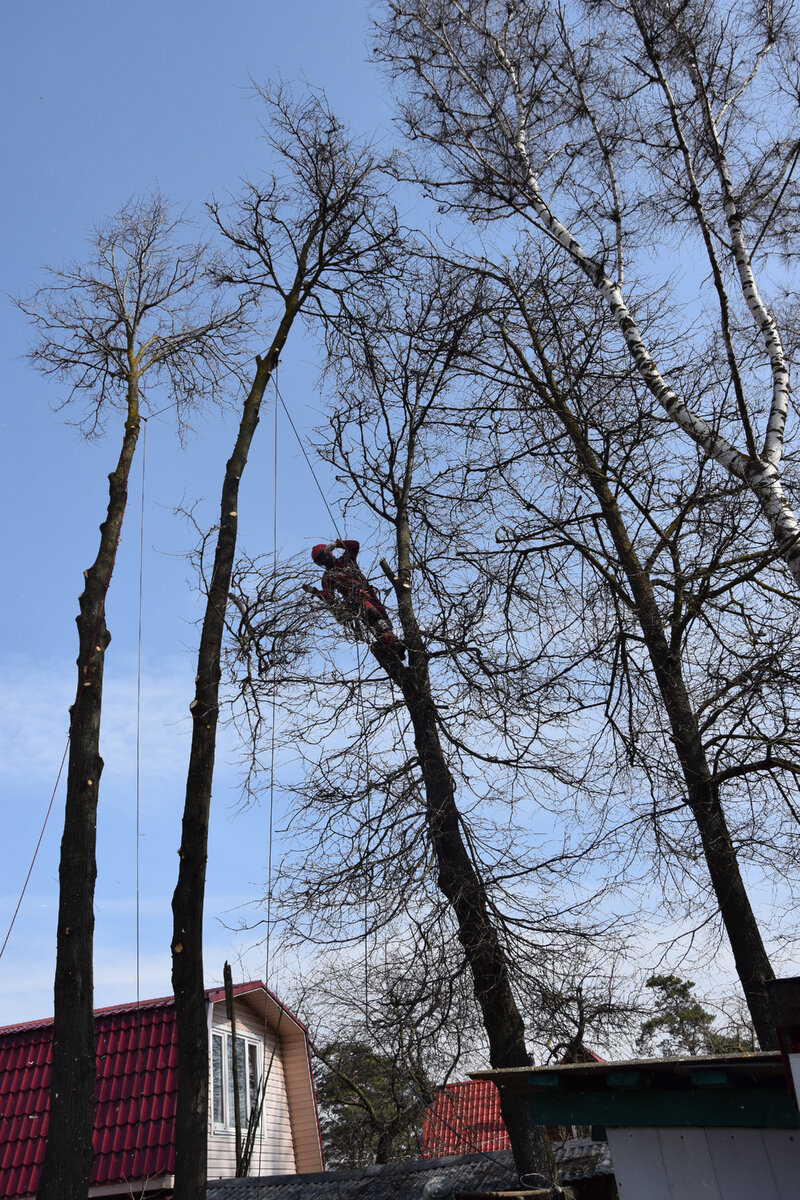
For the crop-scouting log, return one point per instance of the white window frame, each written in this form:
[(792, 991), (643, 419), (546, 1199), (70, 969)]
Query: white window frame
[(228, 1122)]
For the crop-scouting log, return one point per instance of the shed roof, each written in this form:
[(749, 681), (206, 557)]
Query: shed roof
[(134, 1094), (733, 1090), (578, 1158)]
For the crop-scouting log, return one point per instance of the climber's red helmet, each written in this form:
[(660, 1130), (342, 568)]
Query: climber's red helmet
[(321, 554)]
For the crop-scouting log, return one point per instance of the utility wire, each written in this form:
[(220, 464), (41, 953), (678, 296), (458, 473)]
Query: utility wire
[(267, 945), (139, 1124)]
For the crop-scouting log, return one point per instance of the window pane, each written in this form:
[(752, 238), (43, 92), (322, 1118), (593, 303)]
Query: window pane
[(252, 1071), (241, 1067), (242, 1072), (216, 1078)]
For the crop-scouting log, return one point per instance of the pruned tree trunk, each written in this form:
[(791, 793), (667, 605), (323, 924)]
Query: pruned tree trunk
[(321, 227), (191, 1117), (135, 314), (68, 1155), (461, 883)]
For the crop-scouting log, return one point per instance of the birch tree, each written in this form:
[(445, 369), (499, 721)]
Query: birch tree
[(136, 323), (632, 134), (299, 241)]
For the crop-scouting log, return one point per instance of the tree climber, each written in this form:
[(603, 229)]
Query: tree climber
[(344, 586)]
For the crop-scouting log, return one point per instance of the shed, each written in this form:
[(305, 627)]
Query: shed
[(715, 1128)]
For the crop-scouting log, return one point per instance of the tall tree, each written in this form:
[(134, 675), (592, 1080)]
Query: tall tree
[(137, 315), (385, 829), (388, 1027), (623, 134), (677, 549), (299, 241)]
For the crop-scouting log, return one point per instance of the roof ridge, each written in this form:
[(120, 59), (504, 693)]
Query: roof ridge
[(211, 993)]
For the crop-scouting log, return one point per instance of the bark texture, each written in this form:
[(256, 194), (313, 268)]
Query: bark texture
[(702, 792), (68, 1156), (191, 1117), (461, 883)]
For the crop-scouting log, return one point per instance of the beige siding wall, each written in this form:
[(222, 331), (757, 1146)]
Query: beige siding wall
[(301, 1092), (273, 1153)]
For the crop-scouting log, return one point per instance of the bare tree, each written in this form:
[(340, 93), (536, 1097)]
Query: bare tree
[(383, 838), (387, 1029), (299, 241), (624, 133), (696, 548), (137, 316), (656, 587)]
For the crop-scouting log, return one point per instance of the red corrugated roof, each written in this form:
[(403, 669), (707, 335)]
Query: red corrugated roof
[(464, 1118), (134, 1095)]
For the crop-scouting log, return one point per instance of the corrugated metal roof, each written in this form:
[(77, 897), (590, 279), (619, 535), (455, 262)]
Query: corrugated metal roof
[(578, 1158), (134, 1094), (464, 1117)]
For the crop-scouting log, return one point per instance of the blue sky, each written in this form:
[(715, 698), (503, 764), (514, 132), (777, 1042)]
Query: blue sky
[(101, 101)]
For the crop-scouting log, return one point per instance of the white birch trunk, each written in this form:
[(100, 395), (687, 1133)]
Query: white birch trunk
[(761, 475)]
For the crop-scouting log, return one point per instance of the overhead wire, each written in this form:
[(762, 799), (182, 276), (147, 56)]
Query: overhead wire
[(271, 813), (73, 716), (139, 713), (368, 873)]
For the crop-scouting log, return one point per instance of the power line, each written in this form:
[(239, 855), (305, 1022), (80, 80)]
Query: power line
[(138, 774)]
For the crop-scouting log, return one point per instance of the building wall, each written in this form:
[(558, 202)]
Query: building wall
[(300, 1087), (273, 1152), (706, 1164)]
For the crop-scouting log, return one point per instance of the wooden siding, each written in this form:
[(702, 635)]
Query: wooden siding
[(273, 1152)]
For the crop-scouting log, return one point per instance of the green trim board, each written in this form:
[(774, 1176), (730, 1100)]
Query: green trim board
[(755, 1108), (725, 1091)]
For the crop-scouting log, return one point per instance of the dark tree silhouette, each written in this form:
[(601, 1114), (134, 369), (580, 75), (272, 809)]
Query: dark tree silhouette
[(136, 315)]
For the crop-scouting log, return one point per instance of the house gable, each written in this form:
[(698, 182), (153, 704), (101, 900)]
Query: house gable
[(136, 1092)]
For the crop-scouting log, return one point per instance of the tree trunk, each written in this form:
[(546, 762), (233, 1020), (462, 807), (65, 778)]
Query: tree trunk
[(191, 1117), (461, 884), (752, 962), (68, 1155)]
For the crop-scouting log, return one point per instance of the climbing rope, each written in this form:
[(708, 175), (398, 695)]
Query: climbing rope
[(73, 716), (305, 456)]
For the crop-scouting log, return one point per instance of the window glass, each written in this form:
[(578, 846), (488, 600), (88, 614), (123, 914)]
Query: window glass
[(252, 1071), (216, 1078), (242, 1074), (224, 1112)]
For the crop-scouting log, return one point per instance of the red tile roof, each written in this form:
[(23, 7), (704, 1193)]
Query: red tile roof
[(134, 1095), (464, 1118)]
